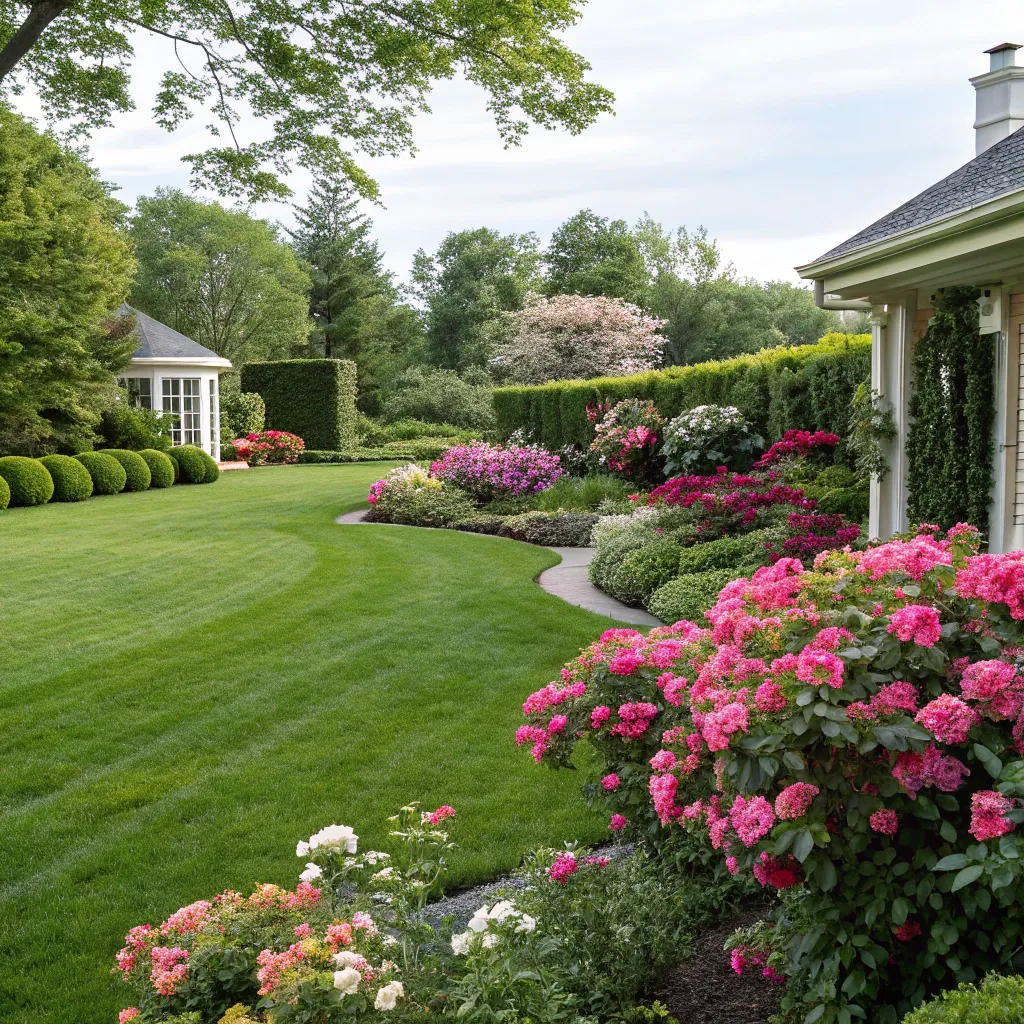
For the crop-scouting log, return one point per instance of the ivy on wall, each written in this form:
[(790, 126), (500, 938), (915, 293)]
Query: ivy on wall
[(952, 407)]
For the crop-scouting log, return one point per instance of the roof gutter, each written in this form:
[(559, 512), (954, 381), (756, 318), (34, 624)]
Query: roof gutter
[(823, 301)]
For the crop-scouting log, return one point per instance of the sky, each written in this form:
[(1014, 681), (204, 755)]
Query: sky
[(783, 126)]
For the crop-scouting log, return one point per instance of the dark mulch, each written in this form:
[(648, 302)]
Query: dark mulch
[(705, 989)]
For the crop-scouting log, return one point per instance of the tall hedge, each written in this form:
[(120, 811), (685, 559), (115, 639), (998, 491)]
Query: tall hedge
[(807, 387), (314, 398)]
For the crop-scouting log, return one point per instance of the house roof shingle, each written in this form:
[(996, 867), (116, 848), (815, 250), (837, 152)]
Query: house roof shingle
[(996, 172), (158, 341)]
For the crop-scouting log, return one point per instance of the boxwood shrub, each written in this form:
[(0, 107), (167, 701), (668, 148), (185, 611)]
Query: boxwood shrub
[(5, 494), (553, 529), (28, 479), (194, 465), (314, 398), (212, 469), (71, 480), (689, 596), (161, 467), (999, 1000), (174, 466), (108, 475), (137, 475)]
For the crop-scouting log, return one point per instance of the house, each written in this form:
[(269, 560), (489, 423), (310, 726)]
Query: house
[(967, 229), (171, 373)]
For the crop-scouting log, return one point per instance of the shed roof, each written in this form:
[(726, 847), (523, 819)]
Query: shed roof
[(158, 341), (996, 172)]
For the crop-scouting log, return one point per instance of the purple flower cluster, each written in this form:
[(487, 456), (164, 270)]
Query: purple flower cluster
[(497, 471)]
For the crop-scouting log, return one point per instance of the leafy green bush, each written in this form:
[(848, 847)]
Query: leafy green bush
[(241, 412), (161, 467), (999, 1000), (127, 427), (212, 469), (481, 522), (28, 479), (71, 480), (747, 551), (809, 386), (192, 464), (442, 396), (175, 467), (108, 475), (137, 475), (641, 572), (565, 529), (689, 596), (313, 398), (375, 434), (424, 449), (5, 494), (409, 497), (583, 493)]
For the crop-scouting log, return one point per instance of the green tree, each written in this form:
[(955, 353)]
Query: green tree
[(591, 255), (63, 268), (355, 305), (219, 276), (326, 74), (466, 285)]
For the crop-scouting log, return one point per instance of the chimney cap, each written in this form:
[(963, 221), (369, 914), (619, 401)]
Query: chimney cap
[(1005, 46)]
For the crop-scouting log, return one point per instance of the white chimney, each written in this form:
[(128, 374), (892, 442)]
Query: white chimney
[(1000, 98)]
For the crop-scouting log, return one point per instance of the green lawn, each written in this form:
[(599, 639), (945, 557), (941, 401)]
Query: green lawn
[(194, 679)]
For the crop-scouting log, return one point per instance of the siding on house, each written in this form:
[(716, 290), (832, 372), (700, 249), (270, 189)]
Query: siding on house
[(1017, 338)]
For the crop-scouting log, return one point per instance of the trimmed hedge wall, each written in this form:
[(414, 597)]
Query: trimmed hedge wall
[(29, 480), (314, 398), (807, 387)]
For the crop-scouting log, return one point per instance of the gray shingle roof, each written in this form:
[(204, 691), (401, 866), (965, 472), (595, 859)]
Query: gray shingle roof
[(997, 172), (158, 341)]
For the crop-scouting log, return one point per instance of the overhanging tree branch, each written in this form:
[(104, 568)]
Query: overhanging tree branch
[(39, 17)]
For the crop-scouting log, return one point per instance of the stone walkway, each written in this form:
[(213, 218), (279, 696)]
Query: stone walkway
[(567, 580)]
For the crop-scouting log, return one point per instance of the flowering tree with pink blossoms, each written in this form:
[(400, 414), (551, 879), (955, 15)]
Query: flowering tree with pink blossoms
[(573, 337), (850, 735)]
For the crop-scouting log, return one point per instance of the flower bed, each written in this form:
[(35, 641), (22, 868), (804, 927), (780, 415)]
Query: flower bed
[(848, 735), (268, 448), (490, 471)]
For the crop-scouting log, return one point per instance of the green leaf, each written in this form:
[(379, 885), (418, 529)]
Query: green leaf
[(900, 910), (793, 759), (816, 1014), (802, 845), (948, 832), (953, 862), (965, 877)]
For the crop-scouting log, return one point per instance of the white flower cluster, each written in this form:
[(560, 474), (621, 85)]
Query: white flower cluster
[(479, 926), (338, 837), (696, 425), (348, 978)]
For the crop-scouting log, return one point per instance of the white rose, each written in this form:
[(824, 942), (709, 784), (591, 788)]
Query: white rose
[(302, 850), (336, 836), (346, 958), (311, 873), (527, 923), (347, 981), (460, 943), (478, 922), (502, 910), (388, 996)]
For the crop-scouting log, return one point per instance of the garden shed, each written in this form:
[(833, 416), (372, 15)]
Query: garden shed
[(171, 373), (943, 279)]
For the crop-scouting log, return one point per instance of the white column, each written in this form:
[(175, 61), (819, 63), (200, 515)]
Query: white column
[(1004, 435)]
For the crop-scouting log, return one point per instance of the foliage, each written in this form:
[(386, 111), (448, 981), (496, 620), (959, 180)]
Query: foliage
[(847, 734), (582, 493), (424, 449), (326, 85), (997, 1000), (241, 412), (747, 551), (702, 439), (801, 446), (63, 268), (137, 475), (490, 471), (268, 448), (590, 255), (570, 337), (71, 480), (410, 496), (442, 396), (28, 480), (108, 475), (161, 468), (871, 427), (776, 389), (689, 595), (627, 439), (128, 426), (952, 407), (194, 465), (354, 303), (222, 277), (566, 529), (374, 434), (312, 398), (837, 489), (472, 279), (635, 576), (5, 494)]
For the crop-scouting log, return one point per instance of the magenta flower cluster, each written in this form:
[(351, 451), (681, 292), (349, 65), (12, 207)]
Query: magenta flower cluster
[(268, 448), (497, 471)]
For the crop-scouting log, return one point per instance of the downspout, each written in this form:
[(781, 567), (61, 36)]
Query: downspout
[(822, 301)]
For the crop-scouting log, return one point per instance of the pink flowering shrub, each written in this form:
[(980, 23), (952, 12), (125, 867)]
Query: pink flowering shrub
[(268, 448), (495, 471), (848, 733), (627, 439), (817, 446)]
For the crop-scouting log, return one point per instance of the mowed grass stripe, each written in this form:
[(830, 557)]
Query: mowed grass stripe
[(186, 751)]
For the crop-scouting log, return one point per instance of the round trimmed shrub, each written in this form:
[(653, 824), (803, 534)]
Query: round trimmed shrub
[(161, 467), (29, 480), (71, 480), (108, 475), (174, 466), (998, 1000), (137, 476), (5, 494), (195, 466)]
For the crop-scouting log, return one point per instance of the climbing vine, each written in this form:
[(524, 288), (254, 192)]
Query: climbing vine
[(952, 406)]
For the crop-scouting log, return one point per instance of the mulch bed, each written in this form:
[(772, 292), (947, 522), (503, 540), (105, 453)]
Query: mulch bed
[(705, 989)]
